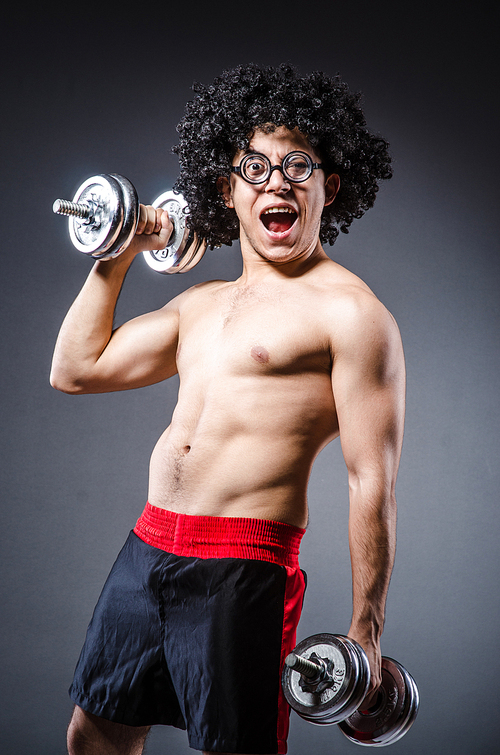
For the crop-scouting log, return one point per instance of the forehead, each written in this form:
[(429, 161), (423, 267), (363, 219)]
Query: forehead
[(279, 142)]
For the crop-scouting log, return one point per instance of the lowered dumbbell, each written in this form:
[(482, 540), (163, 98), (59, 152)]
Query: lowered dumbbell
[(326, 678), (103, 218)]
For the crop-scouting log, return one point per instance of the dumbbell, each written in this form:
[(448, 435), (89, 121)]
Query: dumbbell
[(326, 678), (103, 218)]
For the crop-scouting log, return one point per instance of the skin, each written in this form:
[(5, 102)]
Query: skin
[(273, 366)]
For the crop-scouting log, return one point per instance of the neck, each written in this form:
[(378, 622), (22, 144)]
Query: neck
[(257, 266)]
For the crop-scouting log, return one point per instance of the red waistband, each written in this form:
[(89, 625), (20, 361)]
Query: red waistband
[(220, 537)]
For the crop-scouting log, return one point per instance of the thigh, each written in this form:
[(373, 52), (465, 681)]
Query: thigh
[(122, 675), (227, 625), (91, 735)]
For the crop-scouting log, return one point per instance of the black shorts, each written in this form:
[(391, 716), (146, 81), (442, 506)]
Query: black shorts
[(192, 629)]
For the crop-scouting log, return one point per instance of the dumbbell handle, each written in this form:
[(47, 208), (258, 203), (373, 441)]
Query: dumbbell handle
[(81, 210), (315, 672), (74, 209), (306, 668)]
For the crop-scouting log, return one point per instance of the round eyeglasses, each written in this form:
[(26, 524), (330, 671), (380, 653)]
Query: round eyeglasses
[(295, 167)]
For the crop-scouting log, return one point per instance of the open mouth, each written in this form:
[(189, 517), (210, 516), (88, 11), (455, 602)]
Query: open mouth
[(278, 219)]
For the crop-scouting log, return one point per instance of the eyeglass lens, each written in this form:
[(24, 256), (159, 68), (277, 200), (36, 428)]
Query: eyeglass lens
[(296, 166)]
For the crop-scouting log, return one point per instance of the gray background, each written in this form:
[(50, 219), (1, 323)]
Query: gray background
[(99, 89)]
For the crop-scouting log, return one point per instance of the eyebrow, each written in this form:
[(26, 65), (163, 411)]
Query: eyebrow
[(249, 151)]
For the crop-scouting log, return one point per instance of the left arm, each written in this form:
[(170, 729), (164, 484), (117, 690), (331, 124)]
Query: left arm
[(368, 380)]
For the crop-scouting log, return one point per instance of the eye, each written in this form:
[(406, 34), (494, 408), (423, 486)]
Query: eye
[(297, 165), (254, 167)]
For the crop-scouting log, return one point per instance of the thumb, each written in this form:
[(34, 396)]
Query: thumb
[(166, 229)]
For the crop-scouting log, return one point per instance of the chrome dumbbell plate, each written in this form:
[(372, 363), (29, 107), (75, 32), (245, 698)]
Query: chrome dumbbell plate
[(393, 713), (184, 249), (110, 226), (350, 678)]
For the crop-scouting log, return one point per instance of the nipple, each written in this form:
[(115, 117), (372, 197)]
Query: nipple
[(260, 354)]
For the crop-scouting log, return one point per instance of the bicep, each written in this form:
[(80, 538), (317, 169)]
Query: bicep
[(368, 382)]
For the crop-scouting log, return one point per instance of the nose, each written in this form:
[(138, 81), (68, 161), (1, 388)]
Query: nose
[(277, 182)]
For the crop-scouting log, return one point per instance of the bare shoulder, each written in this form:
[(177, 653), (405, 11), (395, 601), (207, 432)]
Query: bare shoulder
[(193, 296), (357, 322)]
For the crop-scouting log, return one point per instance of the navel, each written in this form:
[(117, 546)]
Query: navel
[(260, 354)]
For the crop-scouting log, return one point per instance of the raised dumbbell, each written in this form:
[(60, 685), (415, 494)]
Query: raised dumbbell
[(326, 678), (103, 218)]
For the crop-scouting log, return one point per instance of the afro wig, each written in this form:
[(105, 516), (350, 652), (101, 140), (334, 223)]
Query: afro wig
[(222, 118)]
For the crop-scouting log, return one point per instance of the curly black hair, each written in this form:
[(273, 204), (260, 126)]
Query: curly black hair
[(222, 118)]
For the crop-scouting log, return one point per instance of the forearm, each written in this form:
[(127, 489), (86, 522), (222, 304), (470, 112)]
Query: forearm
[(88, 326), (372, 541)]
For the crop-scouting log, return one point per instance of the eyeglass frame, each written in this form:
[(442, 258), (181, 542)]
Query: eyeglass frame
[(312, 165)]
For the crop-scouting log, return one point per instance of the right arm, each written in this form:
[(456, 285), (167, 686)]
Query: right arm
[(89, 356)]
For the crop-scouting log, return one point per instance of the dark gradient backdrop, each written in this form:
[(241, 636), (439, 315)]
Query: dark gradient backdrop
[(100, 89)]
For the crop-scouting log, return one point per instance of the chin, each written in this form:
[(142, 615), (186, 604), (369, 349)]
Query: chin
[(282, 255), (286, 251)]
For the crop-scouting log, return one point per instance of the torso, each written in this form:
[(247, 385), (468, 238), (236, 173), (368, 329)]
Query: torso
[(255, 402)]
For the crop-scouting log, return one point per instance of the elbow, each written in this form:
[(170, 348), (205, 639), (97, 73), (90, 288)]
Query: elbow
[(376, 491), (61, 381), (64, 386)]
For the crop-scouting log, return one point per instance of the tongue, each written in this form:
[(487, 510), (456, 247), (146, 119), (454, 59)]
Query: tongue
[(278, 222)]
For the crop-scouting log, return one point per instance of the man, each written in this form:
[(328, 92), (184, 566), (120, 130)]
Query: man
[(272, 367)]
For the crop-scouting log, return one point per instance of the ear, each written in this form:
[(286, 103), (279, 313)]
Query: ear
[(332, 185), (224, 188)]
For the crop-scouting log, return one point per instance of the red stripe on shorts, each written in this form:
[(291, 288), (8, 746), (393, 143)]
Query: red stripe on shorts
[(294, 597)]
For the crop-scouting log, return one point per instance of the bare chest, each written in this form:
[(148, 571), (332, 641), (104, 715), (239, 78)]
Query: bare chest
[(253, 333)]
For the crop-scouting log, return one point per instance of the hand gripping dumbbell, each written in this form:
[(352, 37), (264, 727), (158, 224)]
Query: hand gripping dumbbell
[(326, 678), (103, 218)]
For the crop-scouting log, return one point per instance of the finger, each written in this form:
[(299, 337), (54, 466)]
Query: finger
[(142, 219), (150, 220), (369, 700), (158, 214), (372, 695), (158, 240), (147, 223), (166, 227)]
